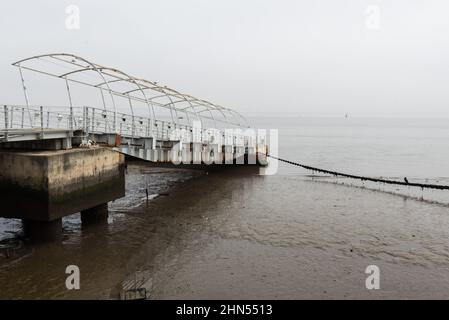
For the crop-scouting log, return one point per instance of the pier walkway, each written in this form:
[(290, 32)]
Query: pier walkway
[(59, 160)]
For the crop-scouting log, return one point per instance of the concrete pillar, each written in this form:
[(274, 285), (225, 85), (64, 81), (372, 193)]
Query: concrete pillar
[(40, 231), (41, 187), (97, 214), (228, 154), (196, 148), (250, 155)]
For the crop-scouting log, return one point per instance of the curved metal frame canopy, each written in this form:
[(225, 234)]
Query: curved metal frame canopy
[(151, 93)]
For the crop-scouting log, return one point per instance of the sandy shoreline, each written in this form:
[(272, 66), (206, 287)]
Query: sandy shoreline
[(237, 235)]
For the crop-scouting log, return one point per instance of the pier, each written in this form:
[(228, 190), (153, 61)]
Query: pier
[(60, 160)]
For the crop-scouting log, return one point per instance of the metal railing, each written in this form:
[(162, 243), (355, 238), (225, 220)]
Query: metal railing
[(92, 120)]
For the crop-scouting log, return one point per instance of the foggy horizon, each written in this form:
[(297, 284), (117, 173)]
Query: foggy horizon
[(293, 57), (232, 158)]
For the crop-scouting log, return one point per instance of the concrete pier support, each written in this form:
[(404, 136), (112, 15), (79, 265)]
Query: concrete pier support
[(40, 231), (97, 214), (41, 187)]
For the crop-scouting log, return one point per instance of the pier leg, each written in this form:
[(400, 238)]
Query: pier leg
[(40, 231), (48, 185), (94, 215)]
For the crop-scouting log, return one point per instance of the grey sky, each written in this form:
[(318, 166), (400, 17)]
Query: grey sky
[(265, 55)]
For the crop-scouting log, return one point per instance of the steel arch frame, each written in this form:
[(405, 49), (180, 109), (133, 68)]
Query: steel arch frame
[(112, 75)]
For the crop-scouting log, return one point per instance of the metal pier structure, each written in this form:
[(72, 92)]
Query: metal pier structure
[(137, 117), (59, 160)]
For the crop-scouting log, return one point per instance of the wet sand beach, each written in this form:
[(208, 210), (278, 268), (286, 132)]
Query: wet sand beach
[(235, 235)]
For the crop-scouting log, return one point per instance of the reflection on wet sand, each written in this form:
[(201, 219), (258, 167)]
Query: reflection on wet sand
[(103, 252), (234, 234)]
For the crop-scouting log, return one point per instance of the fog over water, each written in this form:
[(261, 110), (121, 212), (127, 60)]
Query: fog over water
[(353, 86), (236, 234), (303, 57)]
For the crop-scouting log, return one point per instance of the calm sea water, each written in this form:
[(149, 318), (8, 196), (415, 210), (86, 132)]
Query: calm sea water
[(389, 147), (237, 234)]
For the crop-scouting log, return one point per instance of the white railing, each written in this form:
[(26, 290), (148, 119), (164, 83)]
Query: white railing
[(93, 120)]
